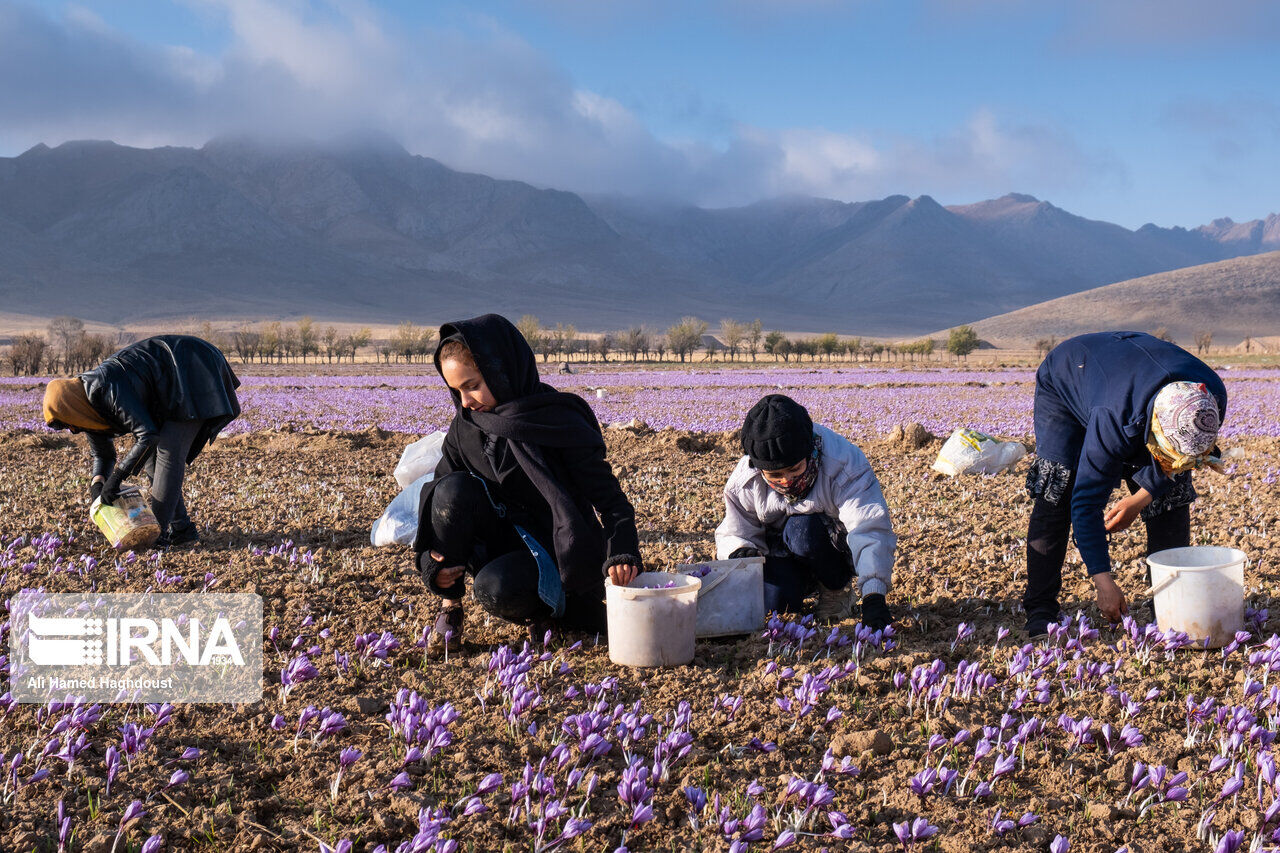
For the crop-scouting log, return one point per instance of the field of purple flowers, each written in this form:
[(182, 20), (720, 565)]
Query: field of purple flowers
[(862, 402), (949, 733)]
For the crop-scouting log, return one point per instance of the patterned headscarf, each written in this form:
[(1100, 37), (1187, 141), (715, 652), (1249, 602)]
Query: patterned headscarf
[(795, 489), (1184, 427)]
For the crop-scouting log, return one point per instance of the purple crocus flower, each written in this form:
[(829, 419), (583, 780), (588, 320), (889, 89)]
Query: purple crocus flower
[(489, 784), (1059, 844), (132, 812), (1230, 841)]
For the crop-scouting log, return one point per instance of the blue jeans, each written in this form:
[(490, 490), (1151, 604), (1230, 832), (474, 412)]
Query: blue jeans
[(811, 559)]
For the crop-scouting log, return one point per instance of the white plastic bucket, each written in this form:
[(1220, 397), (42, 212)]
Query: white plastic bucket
[(731, 599), (1200, 591), (651, 623)]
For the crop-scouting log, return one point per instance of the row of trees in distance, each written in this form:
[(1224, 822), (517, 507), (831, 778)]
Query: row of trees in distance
[(67, 347)]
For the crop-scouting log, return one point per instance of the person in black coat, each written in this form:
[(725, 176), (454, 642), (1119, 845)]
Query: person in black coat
[(1109, 407), (174, 393), (523, 498)]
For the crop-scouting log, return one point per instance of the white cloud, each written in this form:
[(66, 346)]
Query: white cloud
[(480, 100)]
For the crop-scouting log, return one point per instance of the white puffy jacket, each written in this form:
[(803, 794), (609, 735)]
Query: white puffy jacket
[(846, 490)]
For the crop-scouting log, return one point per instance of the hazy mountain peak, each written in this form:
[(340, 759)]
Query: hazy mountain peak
[(357, 228)]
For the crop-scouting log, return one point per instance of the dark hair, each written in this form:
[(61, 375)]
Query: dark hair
[(457, 351)]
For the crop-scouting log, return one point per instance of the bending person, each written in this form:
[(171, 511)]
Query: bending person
[(806, 499), (1114, 406), (174, 393), (515, 498)]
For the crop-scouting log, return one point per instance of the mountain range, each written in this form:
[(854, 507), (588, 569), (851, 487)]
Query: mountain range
[(365, 231)]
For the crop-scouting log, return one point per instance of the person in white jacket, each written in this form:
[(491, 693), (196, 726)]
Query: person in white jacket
[(806, 499)]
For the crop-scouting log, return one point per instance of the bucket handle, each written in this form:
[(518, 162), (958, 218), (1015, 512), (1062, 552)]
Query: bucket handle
[(1172, 576), (720, 578)]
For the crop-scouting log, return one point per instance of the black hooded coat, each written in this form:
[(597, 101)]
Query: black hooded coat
[(159, 379), (544, 451)]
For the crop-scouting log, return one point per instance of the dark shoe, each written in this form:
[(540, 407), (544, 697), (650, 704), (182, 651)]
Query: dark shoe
[(446, 634), (875, 613), (1038, 624), (189, 535)]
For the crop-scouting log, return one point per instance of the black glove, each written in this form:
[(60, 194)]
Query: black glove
[(111, 488), (744, 551), (875, 613), (430, 569), (95, 489)]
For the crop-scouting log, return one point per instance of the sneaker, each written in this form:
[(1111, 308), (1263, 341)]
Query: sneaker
[(834, 604), (446, 634)]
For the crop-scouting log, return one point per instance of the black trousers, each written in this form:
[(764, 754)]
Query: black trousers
[(468, 532), (1048, 535), (166, 467)]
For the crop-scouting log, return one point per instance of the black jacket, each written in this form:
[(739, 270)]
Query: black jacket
[(543, 451), (144, 385)]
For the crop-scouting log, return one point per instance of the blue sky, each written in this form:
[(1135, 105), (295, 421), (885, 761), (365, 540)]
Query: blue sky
[(1130, 111)]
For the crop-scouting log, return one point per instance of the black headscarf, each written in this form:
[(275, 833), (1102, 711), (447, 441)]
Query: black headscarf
[(529, 411), (531, 416)]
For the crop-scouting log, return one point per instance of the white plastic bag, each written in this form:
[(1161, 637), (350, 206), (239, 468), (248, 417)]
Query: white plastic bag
[(398, 524), (419, 458), (968, 451)]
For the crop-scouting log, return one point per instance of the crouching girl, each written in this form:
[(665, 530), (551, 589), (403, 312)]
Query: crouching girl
[(806, 500), (523, 499)]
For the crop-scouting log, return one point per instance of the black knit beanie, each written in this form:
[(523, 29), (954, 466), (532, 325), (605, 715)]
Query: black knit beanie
[(777, 433)]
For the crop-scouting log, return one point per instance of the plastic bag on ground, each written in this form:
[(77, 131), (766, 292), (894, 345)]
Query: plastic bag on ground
[(968, 451), (419, 458), (398, 523)]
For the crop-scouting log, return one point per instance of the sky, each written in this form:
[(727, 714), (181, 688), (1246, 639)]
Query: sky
[(1129, 111)]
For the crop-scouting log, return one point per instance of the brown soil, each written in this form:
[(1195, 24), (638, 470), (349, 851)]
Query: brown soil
[(960, 560)]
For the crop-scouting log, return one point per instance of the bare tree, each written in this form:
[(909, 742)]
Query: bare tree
[(531, 328), (1204, 340), (732, 333), (64, 334), (1045, 344), (686, 336), (330, 338), (1162, 334), (26, 354), (754, 332), (307, 344), (245, 341), (629, 341), (603, 346), (828, 344)]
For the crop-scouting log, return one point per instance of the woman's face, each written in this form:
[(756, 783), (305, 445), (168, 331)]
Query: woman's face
[(783, 476), (469, 383)]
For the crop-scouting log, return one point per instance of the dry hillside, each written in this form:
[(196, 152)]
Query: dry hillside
[(1233, 299)]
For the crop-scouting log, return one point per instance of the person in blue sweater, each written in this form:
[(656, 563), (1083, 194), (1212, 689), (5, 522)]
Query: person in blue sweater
[(1109, 407)]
